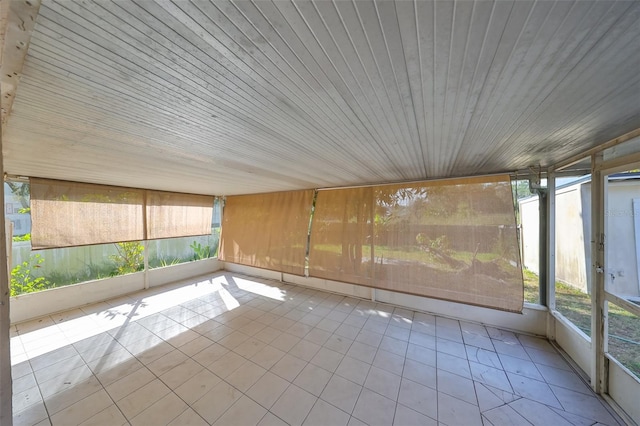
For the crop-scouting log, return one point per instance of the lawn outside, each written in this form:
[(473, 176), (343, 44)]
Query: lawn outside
[(624, 327)]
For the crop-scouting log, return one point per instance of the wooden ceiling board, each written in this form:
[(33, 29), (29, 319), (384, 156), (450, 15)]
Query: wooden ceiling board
[(234, 97)]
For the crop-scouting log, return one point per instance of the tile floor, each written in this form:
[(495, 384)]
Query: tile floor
[(234, 350)]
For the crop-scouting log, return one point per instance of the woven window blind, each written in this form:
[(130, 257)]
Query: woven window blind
[(450, 239), (66, 214), (267, 230), (341, 236), (178, 215)]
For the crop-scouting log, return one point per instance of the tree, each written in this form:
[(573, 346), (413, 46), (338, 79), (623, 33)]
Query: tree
[(22, 191)]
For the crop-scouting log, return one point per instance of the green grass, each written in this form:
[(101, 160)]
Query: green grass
[(624, 327)]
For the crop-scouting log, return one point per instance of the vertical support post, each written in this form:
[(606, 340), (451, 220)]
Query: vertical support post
[(551, 253), (542, 245), (598, 308), (551, 240), (6, 396), (145, 244), (145, 229)]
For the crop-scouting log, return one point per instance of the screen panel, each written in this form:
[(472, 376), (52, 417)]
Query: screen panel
[(171, 214), (341, 236), (449, 239), (267, 230), (66, 214)]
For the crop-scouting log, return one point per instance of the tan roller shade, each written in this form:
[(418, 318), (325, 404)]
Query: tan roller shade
[(450, 239), (65, 214), (178, 215), (267, 230), (341, 235)]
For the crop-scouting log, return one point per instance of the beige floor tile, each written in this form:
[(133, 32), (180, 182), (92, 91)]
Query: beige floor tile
[(227, 364), (160, 413), (563, 378), (167, 362), (26, 398), (194, 388), (285, 342), (210, 354), (383, 382), (419, 398), (457, 386), (583, 405), (53, 357), (305, 350), (245, 377), (453, 411), (83, 409), (341, 393), (382, 343), (538, 414), (294, 405), (313, 379), (451, 348), (23, 383), (369, 338), (323, 414), (181, 373), (533, 389), (327, 359), (250, 347), (362, 352), (215, 402), (267, 357), (288, 367), (455, 365), (268, 389), (405, 416), (188, 418), (338, 343), (389, 361), (504, 415), (353, 369), (141, 399), (130, 383), (271, 419), (374, 409), (483, 356), (30, 415), (66, 398), (109, 416), (244, 412), (66, 381), (420, 373), (117, 371)]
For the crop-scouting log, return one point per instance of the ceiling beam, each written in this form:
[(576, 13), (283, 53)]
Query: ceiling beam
[(17, 19)]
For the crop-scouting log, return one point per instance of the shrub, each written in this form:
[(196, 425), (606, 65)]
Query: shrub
[(130, 257), (23, 280)]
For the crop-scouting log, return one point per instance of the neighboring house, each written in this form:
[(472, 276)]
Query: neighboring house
[(573, 234), (12, 206)]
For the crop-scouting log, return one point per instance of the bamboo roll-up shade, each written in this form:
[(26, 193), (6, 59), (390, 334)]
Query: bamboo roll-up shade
[(341, 232), (65, 214), (453, 240), (267, 230), (178, 215), (449, 239)]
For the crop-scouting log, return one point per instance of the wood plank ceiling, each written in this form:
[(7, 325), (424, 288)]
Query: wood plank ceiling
[(254, 96)]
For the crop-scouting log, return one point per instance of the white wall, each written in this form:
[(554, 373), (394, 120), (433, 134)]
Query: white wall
[(533, 320), (573, 237), (33, 305), (622, 260), (529, 233)]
